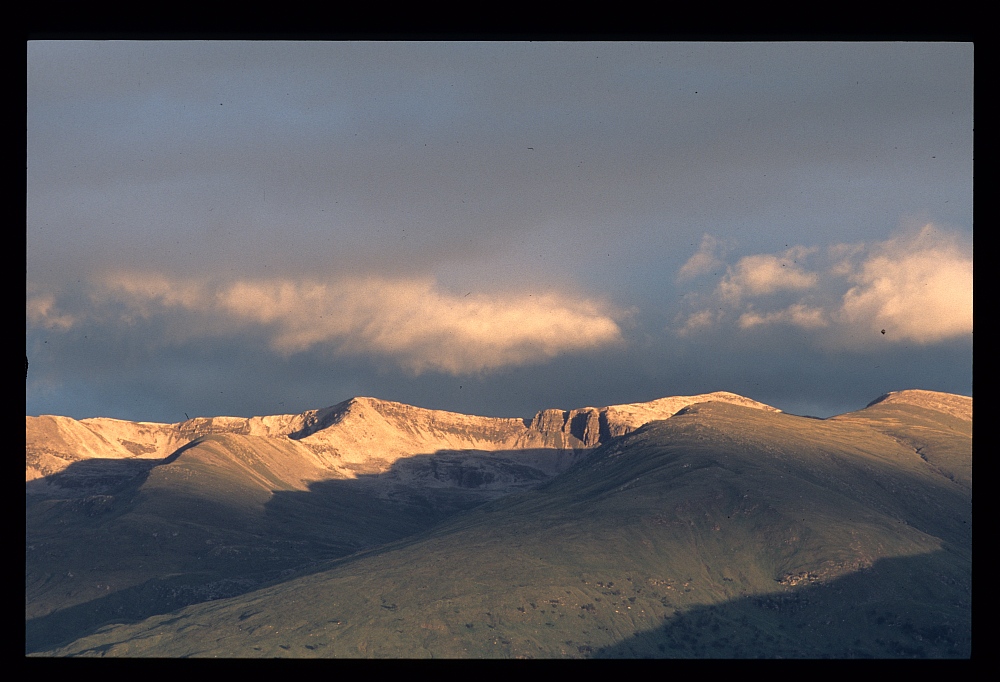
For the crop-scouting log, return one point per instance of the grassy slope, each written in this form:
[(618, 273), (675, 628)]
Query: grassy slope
[(941, 439), (724, 531), (226, 514)]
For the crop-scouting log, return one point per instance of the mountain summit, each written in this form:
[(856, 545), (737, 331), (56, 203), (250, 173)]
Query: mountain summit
[(959, 406), (358, 435), (700, 526)]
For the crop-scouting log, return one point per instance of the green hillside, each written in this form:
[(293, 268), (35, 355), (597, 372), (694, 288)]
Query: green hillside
[(126, 540), (723, 531)]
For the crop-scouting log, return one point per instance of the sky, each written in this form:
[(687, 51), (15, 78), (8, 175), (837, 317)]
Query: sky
[(494, 228)]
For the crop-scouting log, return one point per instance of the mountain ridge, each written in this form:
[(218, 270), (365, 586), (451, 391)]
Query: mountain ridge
[(959, 406), (361, 434), (722, 531)]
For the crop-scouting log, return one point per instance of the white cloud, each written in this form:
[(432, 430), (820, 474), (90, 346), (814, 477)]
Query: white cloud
[(145, 291), (797, 315), (41, 311), (917, 288), (703, 261), (845, 258), (765, 274), (411, 321), (699, 320)]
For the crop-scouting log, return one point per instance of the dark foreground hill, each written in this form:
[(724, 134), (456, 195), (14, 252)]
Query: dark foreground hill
[(723, 531)]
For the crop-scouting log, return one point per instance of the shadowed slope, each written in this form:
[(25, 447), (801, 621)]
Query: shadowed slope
[(125, 539), (908, 607), (112, 540), (718, 504)]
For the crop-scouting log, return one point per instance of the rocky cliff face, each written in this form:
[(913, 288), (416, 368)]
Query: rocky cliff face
[(577, 428)]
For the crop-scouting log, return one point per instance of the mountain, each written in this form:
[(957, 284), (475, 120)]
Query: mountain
[(357, 435), (686, 527)]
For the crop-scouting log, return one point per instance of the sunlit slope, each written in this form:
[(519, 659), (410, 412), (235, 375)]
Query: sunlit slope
[(54, 443), (937, 426), (357, 436), (723, 531)]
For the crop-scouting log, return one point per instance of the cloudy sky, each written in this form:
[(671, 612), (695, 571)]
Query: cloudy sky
[(244, 228)]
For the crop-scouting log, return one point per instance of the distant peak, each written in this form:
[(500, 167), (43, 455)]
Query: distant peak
[(959, 406), (624, 418), (680, 401)]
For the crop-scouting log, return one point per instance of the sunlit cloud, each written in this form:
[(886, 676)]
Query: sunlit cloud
[(147, 292), (411, 321), (917, 287), (703, 261), (797, 315), (764, 274), (845, 258), (703, 319), (41, 311)]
